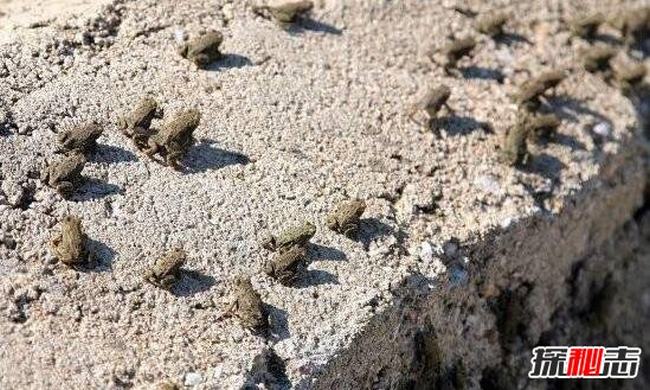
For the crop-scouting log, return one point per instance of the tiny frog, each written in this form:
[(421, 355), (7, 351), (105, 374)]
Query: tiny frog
[(285, 12), (175, 138), (457, 49), (346, 217), (69, 245), (432, 103), (551, 78), (529, 94), (532, 90), (287, 266), (596, 59), (137, 123), (542, 127), (81, 138), (294, 236), (587, 26), (633, 24), (247, 305), (204, 49), (63, 175), (167, 385), (492, 24), (629, 75), (166, 270), (515, 151)]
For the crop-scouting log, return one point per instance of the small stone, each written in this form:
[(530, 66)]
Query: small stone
[(180, 36), (15, 194), (506, 222), (193, 379), (603, 129), (25, 130), (426, 252), (228, 12), (217, 371), (601, 132), (488, 183)]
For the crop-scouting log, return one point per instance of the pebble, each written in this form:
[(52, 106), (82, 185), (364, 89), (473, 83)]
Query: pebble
[(426, 252), (603, 129), (228, 12), (601, 132), (488, 183), (180, 35), (193, 379), (506, 222), (15, 195), (217, 371)]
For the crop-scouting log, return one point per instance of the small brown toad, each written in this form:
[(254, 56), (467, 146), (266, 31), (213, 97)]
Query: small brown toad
[(287, 266), (633, 23), (81, 138), (166, 270), (69, 245), (628, 76), (346, 217), (457, 49), (597, 58), (204, 49), (285, 12), (64, 174), (175, 138), (531, 91), (432, 103), (551, 78), (587, 26), (515, 151), (492, 24), (542, 127), (298, 235), (167, 385), (247, 305), (137, 123)]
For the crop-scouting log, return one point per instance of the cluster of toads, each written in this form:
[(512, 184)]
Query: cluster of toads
[(170, 143), (533, 123)]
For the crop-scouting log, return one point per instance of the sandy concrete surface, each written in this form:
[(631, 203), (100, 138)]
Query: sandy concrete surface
[(15, 15), (293, 121)]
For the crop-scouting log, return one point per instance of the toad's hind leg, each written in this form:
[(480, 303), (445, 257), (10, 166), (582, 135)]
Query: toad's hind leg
[(173, 159), (202, 61), (140, 136), (168, 281), (65, 188), (412, 112), (56, 240), (152, 149), (351, 230)]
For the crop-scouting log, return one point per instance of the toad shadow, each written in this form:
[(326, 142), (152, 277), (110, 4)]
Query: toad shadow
[(192, 282), (204, 157)]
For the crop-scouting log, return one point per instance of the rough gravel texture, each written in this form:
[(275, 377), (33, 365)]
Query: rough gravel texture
[(293, 122)]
